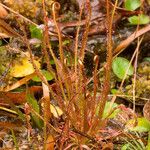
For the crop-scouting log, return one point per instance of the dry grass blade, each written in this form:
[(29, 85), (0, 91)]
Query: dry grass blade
[(46, 109), (46, 99), (130, 39), (7, 31), (18, 14), (18, 83)]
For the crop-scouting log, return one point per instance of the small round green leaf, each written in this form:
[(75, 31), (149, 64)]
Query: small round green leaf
[(47, 75), (132, 4), (143, 125), (36, 32), (140, 19), (120, 66)]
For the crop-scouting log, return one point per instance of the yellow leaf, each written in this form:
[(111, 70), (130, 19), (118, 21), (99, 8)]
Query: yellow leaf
[(23, 68)]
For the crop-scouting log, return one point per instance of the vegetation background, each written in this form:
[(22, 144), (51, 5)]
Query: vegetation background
[(75, 74)]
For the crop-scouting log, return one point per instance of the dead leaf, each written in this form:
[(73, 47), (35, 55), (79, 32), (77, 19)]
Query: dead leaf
[(50, 143), (18, 97), (9, 125), (108, 146), (3, 12)]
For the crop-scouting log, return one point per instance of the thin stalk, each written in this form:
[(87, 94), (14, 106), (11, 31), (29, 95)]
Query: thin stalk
[(133, 56), (121, 85), (56, 6), (59, 81), (135, 75), (17, 14), (106, 83), (95, 86), (79, 103), (38, 72), (48, 124), (85, 110), (32, 60), (95, 79), (46, 96), (76, 49), (14, 139), (85, 34)]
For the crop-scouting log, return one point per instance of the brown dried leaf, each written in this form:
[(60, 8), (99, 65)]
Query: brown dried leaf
[(18, 97)]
